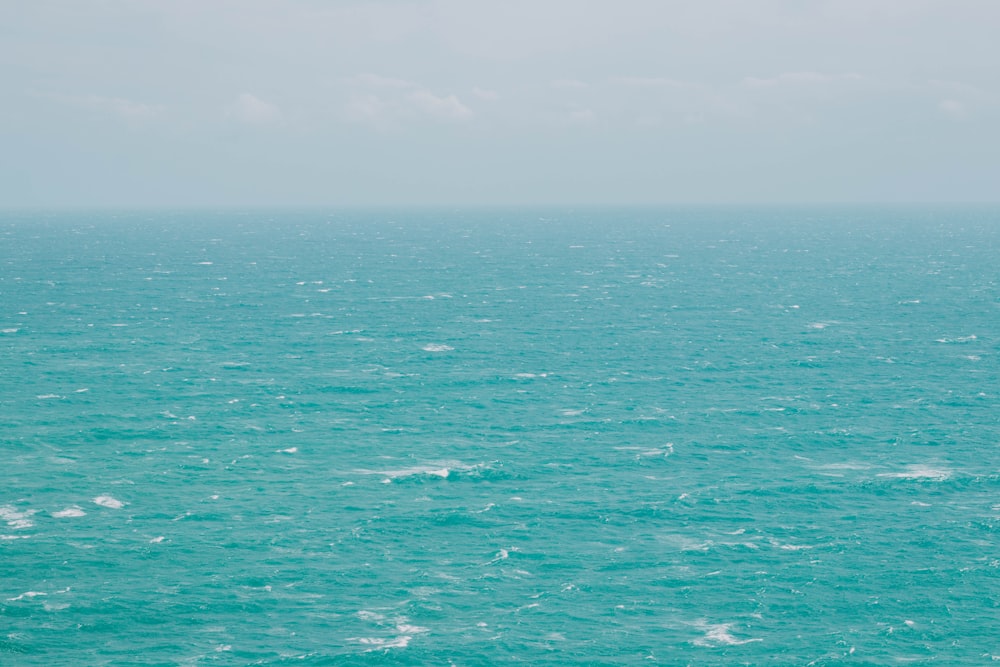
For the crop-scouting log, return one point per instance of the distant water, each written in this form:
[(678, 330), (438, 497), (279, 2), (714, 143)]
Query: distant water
[(706, 436)]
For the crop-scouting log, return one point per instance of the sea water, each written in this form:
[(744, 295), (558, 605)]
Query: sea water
[(680, 436)]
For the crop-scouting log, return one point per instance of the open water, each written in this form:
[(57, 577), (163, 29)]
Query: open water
[(684, 436)]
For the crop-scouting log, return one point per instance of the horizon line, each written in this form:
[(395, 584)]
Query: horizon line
[(487, 205)]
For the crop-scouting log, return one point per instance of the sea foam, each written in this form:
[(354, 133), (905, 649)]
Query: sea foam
[(69, 512), (109, 502)]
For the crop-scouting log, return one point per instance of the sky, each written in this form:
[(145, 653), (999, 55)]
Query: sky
[(499, 102)]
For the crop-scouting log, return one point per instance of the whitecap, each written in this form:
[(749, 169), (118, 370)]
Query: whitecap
[(845, 465), (404, 629), (441, 469), (417, 470), (641, 452), (503, 554), (719, 635), (69, 512), (109, 502), (920, 472), (960, 339), (16, 519), (436, 347), (380, 643), (411, 629), (290, 450), (27, 594), (685, 543), (9, 330), (46, 396)]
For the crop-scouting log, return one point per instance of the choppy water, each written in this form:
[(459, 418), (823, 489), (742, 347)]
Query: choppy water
[(701, 436)]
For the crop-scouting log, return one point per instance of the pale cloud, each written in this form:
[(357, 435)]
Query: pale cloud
[(385, 101), (120, 107), (953, 109), (393, 105), (533, 82), (252, 110), (960, 100), (798, 78), (448, 108), (367, 108)]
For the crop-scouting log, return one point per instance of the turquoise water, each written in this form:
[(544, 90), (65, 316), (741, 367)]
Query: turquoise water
[(704, 436)]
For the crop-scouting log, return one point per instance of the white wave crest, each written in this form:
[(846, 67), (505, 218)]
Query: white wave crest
[(69, 512), (109, 502), (18, 520), (920, 472), (718, 635)]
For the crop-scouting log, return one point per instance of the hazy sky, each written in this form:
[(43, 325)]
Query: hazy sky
[(246, 102)]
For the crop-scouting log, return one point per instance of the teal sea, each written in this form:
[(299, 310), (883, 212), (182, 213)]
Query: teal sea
[(705, 436)]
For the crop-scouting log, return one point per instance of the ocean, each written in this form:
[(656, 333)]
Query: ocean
[(680, 436)]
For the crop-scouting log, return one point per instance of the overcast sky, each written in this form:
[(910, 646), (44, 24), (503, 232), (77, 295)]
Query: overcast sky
[(394, 102)]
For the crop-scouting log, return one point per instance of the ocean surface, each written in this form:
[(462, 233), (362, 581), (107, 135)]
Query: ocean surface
[(705, 436)]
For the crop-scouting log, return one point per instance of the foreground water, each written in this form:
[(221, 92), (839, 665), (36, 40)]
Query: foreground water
[(706, 437)]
